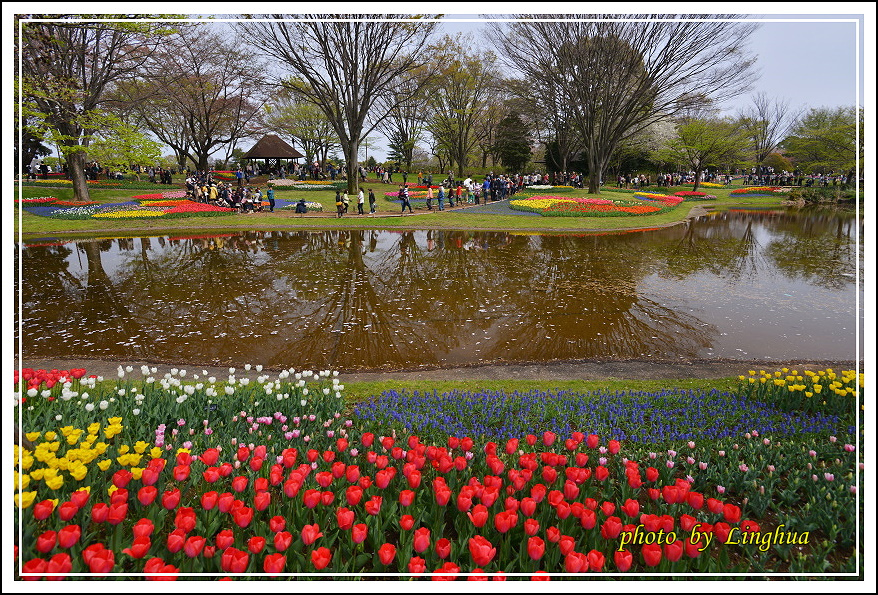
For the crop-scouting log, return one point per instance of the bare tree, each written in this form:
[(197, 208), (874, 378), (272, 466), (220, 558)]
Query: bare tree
[(68, 68), (619, 73), (459, 100), (201, 91), (304, 122), (767, 123), (405, 122), (345, 66)]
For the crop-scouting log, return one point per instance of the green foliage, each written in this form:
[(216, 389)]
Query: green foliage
[(512, 144), (119, 145), (825, 140)]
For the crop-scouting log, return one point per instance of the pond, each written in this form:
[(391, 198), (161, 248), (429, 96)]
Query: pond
[(749, 285)]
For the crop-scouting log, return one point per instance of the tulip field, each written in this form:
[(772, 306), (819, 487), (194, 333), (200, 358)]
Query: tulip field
[(183, 475)]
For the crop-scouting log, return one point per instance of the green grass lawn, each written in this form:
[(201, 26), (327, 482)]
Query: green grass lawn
[(387, 216)]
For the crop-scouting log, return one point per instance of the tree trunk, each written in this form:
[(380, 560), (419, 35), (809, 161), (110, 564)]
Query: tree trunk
[(594, 176), (76, 166), (351, 150), (697, 180)]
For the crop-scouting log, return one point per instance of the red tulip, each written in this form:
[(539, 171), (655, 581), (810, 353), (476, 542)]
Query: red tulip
[(274, 563), (321, 557), (117, 513), (601, 473), (171, 498), (623, 560), (731, 513), (592, 441), (211, 475), (538, 492), (749, 527), (139, 548), (695, 500), (80, 498), (352, 473), (149, 476), (421, 539), (631, 508), (358, 532), (354, 494), (310, 533), (68, 536), (652, 474), (417, 565), (256, 463), (367, 439), (611, 528), (277, 524), (406, 497), (466, 444), (715, 506), (566, 543), (46, 542), (721, 530), (674, 551), (255, 544), (443, 549), (608, 508), (596, 561), (181, 472), (531, 526), (613, 446), (67, 510), (194, 546), (575, 562), (652, 554), (59, 563), (588, 519), (311, 498), (373, 506), (119, 496), (406, 522), (210, 456), (504, 521), (175, 541), (481, 550), (43, 509), (239, 484), (234, 560), (36, 565), (345, 518), (243, 453), (224, 539), (282, 540), (261, 500), (536, 547), (226, 469), (692, 549), (100, 560), (386, 553), (185, 519), (242, 516), (121, 478)]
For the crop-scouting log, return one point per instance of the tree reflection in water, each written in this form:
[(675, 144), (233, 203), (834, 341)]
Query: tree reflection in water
[(367, 299)]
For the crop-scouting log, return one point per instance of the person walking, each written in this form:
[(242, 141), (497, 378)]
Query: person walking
[(360, 200), (404, 195), (346, 201), (429, 198), (339, 205), (371, 202), (441, 197), (270, 194)]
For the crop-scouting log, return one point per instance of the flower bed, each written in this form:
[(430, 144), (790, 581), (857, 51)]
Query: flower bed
[(560, 206), (712, 185), (760, 191), (190, 473), (139, 209), (313, 207), (689, 195)]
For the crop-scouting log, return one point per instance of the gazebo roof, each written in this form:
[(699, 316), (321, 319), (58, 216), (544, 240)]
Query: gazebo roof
[(271, 146)]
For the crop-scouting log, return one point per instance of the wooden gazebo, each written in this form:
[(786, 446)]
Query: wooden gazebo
[(271, 146)]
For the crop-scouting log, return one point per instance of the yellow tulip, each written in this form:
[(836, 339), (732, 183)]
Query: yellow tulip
[(111, 489), (140, 446), (33, 436), (50, 435), (115, 421), (808, 394), (22, 480), (37, 474), (123, 449), (25, 499), (104, 465), (94, 428), (101, 447), (79, 472), (762, 380), (136, 473), (55, 482), (155, 452)]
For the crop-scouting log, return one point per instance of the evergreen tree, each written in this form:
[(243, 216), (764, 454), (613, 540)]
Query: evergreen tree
[(513, 143)]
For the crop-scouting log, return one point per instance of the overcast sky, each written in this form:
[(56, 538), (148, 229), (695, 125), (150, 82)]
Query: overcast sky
[(803, 61)]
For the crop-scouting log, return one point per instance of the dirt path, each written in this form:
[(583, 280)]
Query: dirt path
[(568, 370)]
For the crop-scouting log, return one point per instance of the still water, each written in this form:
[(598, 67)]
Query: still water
[(740, 285)]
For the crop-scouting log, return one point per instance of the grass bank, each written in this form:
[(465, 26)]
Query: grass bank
[(386, 217)]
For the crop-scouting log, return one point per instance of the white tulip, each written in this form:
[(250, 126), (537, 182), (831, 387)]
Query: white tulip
[(231, 370), (230, 390), (259, 368), (46, 393), (89, 407), (135, 411), (247, 367), (32, 392), (174, 371), (129, 368), (103, 405), (58, 418), (182, 373)]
